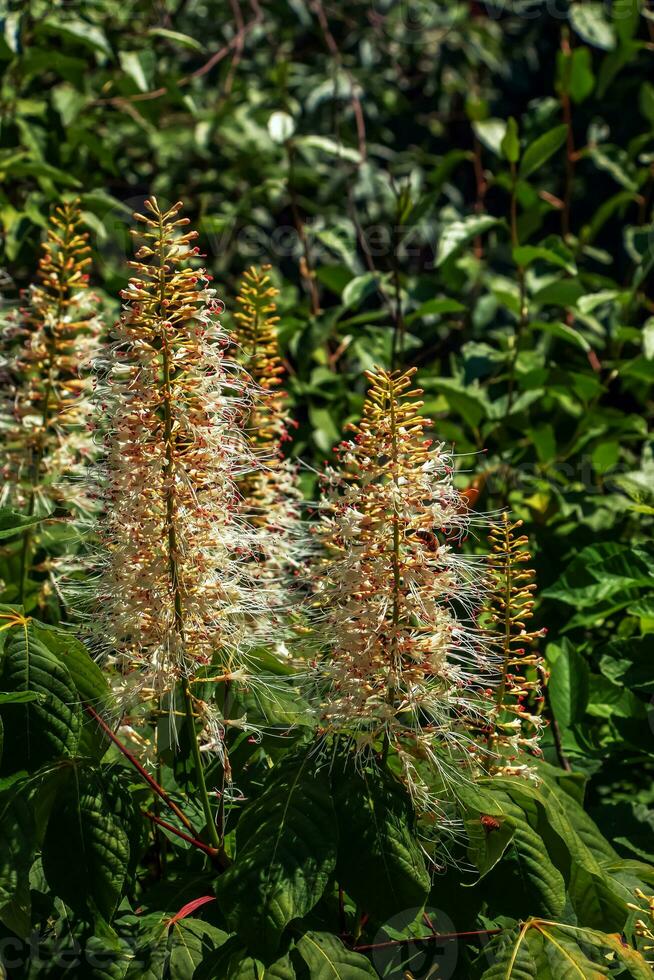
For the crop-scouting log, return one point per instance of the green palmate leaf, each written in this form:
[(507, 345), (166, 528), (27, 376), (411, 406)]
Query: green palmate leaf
[(286, 851), (563, 331), (457, 233), (599, 572), (531, 855), (380, 864), (470, 401), (327, 146), (598, 902), (139, 66), (170, 949), (628, 662), (106, 957), (233, 962), (78, 30), (615, 161), (594, 896), (579, 74), (12, 522), (491, 133), (185, 945), (489, 829), (542, 148), (582, 824), (86, 850), (48, 726), (328, 959), (436, 307), (89, 680), (359, 288), (271, 704), (543, 950)]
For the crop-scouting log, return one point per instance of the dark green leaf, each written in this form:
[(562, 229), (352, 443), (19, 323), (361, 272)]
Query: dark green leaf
[(380, 863), (86, 849), (286, 851), (47, 727), (328, 959), (542, 148), (455, 234), (12, 522)]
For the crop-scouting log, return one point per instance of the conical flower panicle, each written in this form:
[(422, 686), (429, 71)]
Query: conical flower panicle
[(405, 670), (516, 718), (43, 350), (256, 335), (272, 501), (176, 580)]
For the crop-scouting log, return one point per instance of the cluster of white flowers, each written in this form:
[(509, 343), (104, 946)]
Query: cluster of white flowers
[(177, 580), (406, 669)]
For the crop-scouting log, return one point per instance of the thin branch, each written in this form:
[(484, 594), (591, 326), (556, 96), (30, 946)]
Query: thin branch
[(235, 43), (570, 156), (334, 50), (306, 269), (238, 50), (442, 937), (152, 783), (213, 852)]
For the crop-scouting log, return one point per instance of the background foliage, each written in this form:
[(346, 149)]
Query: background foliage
[(462, 186)]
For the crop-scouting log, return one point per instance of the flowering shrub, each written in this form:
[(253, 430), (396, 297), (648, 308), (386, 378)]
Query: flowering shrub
[(412, 743), (326, 585)]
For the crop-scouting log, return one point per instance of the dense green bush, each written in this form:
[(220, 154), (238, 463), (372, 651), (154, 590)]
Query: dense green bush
[(461, 187)]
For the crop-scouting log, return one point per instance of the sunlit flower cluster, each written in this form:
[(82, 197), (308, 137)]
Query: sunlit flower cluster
[(517, 720), (406, 670), (177, 580), (46, 349)]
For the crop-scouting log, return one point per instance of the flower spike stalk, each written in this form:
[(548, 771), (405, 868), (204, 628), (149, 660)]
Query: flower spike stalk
[(406, 668), (518, 699), (271, 498), (176, 580), (256, 336), (47, 408)]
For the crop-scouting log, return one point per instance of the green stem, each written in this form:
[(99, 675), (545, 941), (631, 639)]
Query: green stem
[(197, 762), (395, 563)]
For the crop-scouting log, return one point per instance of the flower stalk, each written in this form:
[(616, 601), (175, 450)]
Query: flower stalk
[(272, 501), (517, 723), (46, 412)]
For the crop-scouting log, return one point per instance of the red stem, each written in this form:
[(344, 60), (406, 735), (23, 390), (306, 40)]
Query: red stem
[(152, 783), (426, 939), (211, 851)]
